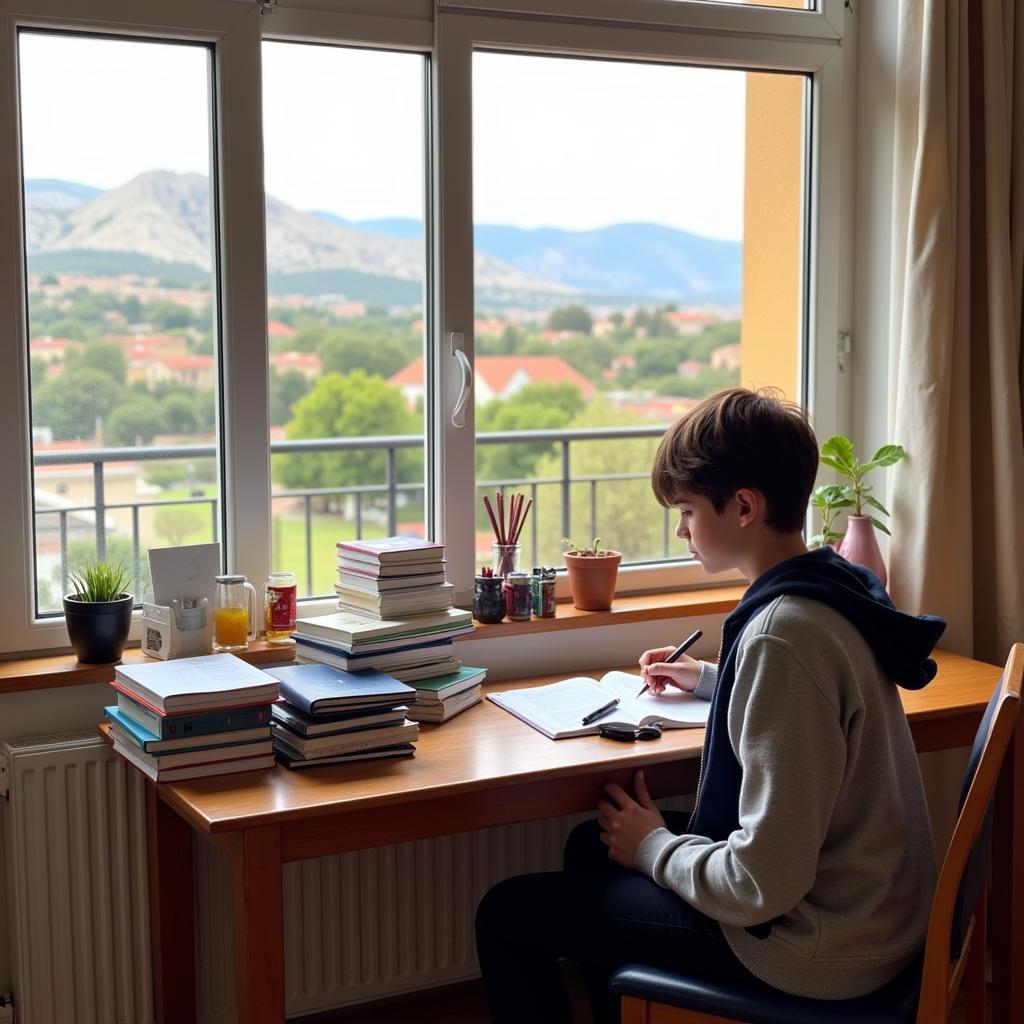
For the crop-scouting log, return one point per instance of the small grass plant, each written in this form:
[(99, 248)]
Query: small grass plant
[(572, 548), (99, 581)]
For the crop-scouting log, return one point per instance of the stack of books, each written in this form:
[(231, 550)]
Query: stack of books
[(392, 577), (443, 697), (192, 717), (328, 716)]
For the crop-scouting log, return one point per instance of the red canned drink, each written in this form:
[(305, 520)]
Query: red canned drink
[(281, 594)]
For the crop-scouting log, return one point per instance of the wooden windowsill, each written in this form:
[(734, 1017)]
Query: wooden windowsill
[(49, 671)]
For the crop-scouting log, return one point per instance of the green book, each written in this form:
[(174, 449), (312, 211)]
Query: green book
[(440, 688)]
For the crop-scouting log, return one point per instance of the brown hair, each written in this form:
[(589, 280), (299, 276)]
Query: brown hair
[(741, 438)]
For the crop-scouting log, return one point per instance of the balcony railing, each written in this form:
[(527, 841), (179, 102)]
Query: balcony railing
[(390, 488)]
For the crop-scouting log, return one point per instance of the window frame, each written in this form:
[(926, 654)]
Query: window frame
[(448, 31)]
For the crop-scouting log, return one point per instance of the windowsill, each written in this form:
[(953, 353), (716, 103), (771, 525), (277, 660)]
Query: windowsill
[(50, 671)]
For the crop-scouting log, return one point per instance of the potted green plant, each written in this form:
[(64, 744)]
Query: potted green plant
[(98, 612), (592, 571), (828, 499), (859, 544)]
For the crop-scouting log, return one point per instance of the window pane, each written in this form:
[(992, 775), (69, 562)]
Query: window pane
[(122, 304), (344, 143), (644, 250)]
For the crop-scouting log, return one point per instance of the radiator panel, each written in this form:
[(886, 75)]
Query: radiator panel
[(77, 883)]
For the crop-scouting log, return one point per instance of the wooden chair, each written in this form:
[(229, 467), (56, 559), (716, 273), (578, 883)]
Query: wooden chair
[(954, 951)]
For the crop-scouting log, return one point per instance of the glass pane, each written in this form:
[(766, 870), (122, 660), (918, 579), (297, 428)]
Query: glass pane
[(122, 324), (644, 250), (809, 5), (344, 154)]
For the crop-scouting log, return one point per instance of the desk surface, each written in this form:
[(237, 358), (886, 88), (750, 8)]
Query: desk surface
[(486, 748)]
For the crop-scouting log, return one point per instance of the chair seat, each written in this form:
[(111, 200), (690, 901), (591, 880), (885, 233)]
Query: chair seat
[(894, 1003)]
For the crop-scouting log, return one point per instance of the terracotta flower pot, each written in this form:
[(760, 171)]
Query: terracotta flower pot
[(592, 579), (860, 545)]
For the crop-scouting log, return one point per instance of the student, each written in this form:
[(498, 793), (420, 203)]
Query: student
[(808, 863)]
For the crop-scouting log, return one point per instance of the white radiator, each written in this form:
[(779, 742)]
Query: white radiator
[(75, 835)]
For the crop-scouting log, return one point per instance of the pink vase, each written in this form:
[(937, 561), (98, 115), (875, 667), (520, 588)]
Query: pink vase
[(860, 545)]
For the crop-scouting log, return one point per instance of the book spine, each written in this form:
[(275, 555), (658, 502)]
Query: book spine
[(172, 727)]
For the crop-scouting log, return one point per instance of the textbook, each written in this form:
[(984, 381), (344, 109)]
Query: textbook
[(361, 633), (205, 683), (442, 710), (186, 758), (388, 550), (293, 761), (558, 709), (439, 688), (409, 652), (365, 718), (200, 723), (316, 689), (386, 571), (192, 771), (347, 742), (355, 579), (131, 731), (389, 604)]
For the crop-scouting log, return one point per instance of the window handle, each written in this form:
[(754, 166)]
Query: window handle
[(459, 412)]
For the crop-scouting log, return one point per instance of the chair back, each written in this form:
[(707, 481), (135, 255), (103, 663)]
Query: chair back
[(964, 876)]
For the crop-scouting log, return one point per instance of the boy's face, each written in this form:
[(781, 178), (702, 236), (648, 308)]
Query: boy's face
[(714, 537)]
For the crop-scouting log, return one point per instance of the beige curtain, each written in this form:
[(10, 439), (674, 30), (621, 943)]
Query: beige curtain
[(958, 278)]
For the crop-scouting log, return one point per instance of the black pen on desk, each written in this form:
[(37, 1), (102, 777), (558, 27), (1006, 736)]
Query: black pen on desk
[(677, 653), (605, 709)]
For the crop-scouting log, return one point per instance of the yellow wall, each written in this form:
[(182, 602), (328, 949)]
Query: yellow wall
[(773, 217)]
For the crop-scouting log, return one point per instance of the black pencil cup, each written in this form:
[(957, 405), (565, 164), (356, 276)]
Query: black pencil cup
[(488, 599)]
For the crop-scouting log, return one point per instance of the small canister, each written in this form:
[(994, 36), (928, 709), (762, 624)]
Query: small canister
[(518, 596), (544, 592), (488, 599)]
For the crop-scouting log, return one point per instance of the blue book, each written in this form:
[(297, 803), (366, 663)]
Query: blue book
[(318, 689), (150, 743), (195, 723)]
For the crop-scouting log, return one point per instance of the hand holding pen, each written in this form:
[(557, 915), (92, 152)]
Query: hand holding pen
[(654, 657)]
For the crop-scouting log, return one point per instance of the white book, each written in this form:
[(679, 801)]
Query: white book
[(353, 630), (194, 771), (345, 743), (191, 684), (385, 584), (558, 709), (445, 709)]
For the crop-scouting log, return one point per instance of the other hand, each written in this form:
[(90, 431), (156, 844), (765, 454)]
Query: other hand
[(683, 674), (626, 822)]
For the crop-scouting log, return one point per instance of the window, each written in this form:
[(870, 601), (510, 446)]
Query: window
[(360, 186)]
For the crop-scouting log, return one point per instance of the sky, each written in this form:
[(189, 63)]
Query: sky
[(575, 144)]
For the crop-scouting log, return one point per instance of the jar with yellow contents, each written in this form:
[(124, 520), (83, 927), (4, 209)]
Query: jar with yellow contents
[(234, 613)]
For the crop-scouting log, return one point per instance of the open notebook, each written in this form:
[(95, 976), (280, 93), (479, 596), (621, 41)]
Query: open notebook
[(557, 710)]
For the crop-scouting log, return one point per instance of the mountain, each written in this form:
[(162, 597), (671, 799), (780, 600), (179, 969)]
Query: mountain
[(641, 260), (163, 217)]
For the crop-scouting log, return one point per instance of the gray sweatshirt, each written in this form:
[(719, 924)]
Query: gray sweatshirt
[(834, 832)]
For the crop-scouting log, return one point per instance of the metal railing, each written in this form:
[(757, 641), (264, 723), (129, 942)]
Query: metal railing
[(390, 488)]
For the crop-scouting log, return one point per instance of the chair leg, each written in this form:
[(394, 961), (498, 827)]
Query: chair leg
[(975, 988)]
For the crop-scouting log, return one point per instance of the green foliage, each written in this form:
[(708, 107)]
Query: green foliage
[(167, 315), (285, 390), (654, 323), (72, 403), (105, 356), (99, 581), (179, 413), (376, 355), (713, 336), (179, 524), (828, 499), (353, 405), (655, 358), (137, 420), (167, 474), (571, 318), (588, 356), (572, 548), (837, 452)]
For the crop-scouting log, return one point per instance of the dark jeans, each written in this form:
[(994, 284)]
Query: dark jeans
[(598, 914)]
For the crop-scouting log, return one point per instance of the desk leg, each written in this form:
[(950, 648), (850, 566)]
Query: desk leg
[(170, 911), (258, 883), (1008, 887)]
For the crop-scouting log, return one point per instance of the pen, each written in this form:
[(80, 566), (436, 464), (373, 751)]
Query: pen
[(601, 711), (677, 653)]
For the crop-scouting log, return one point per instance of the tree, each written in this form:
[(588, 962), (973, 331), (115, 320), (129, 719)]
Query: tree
[(352, 405), (71, 404), (107, 356), (137, 420), (375, 354), (538, 406), (655, 358), (628, 517), (177, 524), (285, 390), (571, 318), (714, 336), (179, 413), (167, 315)]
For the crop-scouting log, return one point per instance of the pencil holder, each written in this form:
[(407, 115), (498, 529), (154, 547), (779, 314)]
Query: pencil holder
[(488, 599), (506, 558)]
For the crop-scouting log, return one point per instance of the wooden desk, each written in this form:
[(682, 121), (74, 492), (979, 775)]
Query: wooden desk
[(481, 769)]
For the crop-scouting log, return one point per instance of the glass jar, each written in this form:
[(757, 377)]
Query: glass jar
[(544, 592), (505, 558), (235, 622), (279, 601), (488, 599), (518, 596)]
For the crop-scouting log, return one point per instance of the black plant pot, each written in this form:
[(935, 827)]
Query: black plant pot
[(98, 630)]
